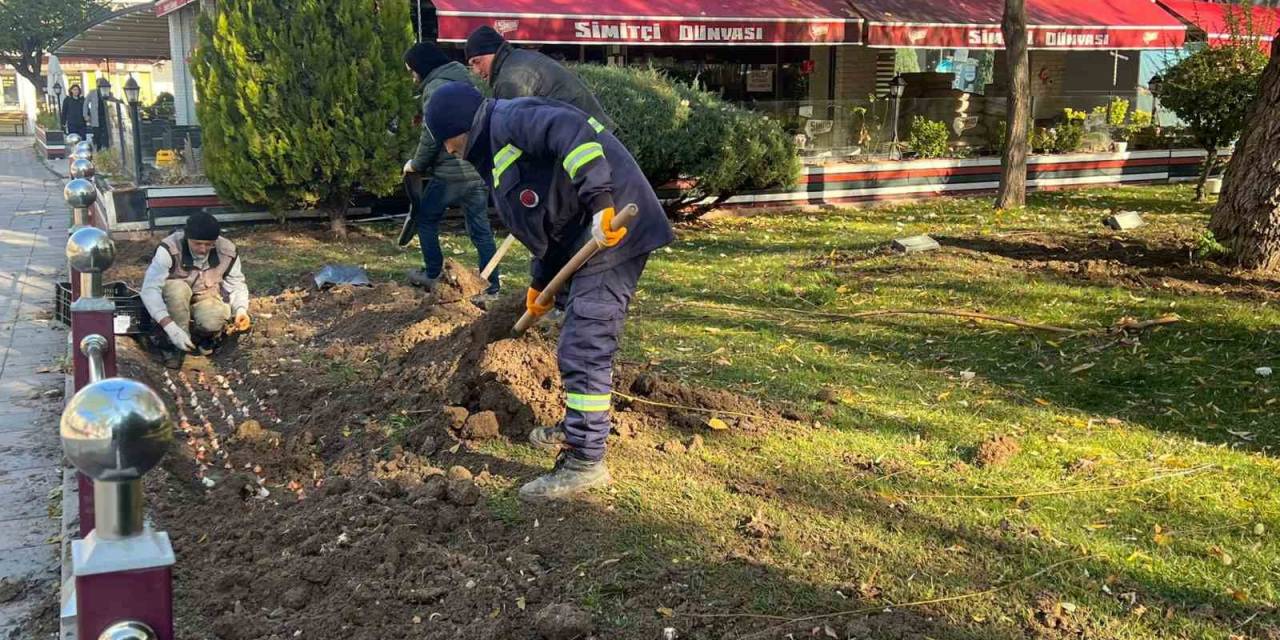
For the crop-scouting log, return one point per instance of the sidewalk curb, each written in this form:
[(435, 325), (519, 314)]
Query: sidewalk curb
[(70, 531)]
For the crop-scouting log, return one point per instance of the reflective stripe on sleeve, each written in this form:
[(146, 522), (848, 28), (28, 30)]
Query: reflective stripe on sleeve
[(580, 156), (502, 160)]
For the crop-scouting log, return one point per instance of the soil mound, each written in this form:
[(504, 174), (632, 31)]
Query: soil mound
[(307, 492)]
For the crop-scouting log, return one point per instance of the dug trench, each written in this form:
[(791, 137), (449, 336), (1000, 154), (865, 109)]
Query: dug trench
[(324, 481)]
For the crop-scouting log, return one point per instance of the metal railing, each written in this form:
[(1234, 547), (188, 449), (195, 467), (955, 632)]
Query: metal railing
[(865, 129), (113, 430)]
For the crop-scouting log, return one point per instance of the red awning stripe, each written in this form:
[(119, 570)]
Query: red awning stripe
[(655, 22), (1053, 24), (1214, 18)]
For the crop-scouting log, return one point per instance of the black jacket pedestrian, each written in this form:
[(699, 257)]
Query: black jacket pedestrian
[(73, 115), (521, 73)]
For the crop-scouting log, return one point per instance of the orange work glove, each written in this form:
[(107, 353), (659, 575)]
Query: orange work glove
[(242, 322), (602, 228), (531, 303)]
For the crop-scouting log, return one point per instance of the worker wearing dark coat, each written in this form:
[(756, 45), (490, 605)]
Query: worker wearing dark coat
[(520, 73), (556, 175)]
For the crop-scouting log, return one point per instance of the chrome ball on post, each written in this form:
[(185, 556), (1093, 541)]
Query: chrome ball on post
[(80, 194), (81, 155), (90, 250), (84, 146), (82, 168), (116, 430), (128, 630), (72, 140)]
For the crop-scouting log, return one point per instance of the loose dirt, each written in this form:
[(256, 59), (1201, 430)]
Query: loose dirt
[(996, 451), (307, 494)]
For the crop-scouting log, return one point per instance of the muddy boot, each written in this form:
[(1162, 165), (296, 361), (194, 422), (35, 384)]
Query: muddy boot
[(172, 358), (548, 438), (418, 278), (570, 477), (484, 300)]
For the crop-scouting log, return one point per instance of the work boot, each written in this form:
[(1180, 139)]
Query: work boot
[(548, 438), (484, 300), (570, 477), (418, 278), (172, 358)]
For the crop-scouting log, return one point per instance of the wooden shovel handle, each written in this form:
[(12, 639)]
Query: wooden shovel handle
[(562, 277)]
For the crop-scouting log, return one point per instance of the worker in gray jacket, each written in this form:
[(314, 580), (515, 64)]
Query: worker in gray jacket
[(452, 180), (194, 287), (521, 73)]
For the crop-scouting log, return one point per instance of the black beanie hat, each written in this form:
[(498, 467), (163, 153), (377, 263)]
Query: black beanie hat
[(483, 41), (202, 226), (425, 58), (451, 110)]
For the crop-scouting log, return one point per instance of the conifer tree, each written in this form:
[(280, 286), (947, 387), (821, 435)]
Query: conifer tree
[(303, 101)]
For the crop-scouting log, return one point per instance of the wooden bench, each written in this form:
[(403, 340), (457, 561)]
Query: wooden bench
[(15, 121)]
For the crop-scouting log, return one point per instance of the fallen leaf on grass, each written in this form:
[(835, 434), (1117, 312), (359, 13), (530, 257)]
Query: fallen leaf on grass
[(1222, 556), (716, 424), (1084, 367), (1161, 537), (1238, 595), (666, 612)]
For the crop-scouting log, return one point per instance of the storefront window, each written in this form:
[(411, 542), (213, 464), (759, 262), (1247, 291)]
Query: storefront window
[(972, 70), (8, 91)]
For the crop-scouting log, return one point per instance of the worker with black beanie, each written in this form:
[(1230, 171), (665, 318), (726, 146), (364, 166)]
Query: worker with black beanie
[(450, 181), (194, 287), (521, 73)]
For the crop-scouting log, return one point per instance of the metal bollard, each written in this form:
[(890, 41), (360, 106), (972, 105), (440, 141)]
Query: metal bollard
[(69, 145), (83, 169), (115, 431), (89, 253), (80, 194)]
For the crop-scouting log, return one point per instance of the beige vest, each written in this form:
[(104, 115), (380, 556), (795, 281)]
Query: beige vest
[(221, 257)]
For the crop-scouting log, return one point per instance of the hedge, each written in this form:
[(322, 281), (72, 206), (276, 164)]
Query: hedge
[(681, 134)]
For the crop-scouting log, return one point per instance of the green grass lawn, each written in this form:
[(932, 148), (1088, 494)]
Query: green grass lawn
[(1146, 465)]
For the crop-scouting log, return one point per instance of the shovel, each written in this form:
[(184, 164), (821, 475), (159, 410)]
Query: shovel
[(588, 250)]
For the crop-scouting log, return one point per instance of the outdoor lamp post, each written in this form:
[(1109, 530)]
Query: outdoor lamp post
[(57, 100), (1154, 85), (897, 86), (131, 91)]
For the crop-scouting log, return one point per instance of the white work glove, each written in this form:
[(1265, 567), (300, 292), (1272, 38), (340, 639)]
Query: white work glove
[(602, 229), (408, 167), (179, 337)]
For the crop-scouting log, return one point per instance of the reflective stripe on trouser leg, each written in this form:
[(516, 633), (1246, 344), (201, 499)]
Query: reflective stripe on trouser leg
[(592, 325)]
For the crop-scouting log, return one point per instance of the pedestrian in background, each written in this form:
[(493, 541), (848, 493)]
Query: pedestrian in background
[(73, 112)]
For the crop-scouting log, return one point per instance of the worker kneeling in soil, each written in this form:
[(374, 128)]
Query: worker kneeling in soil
[(556, 174), (193, 287)]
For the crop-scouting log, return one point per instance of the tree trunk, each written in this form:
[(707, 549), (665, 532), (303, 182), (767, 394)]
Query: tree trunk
[(338, 219), (1206, 168), (1247, 217), (1013, 162)]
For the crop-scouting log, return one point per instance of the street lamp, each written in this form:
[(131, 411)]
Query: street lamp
[(1155, 85), (897, 86), (57, 100), (131, 91)]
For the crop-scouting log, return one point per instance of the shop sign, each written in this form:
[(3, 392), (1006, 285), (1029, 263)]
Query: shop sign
[(760, 80), (455, 28), (990, 37), (166, 7)]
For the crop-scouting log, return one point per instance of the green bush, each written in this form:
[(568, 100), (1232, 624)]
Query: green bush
[(678, 132), (161, 109), (48, 120), (1116, 112), (928, 138), (303, 103)]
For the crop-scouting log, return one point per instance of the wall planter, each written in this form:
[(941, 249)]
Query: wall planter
[(51, 143)]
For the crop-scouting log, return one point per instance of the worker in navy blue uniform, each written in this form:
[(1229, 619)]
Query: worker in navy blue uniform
[(556, 174)]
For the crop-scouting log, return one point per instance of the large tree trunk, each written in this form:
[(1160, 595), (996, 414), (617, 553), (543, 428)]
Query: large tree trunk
[(1013, 162), (1247, 217), (338, 218)]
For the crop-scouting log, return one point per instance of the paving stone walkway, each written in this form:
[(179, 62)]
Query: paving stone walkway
[(33, 236)]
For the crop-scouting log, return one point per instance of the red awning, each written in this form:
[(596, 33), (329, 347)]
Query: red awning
[(1052, 24), (655, 22), (1220, 22)]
